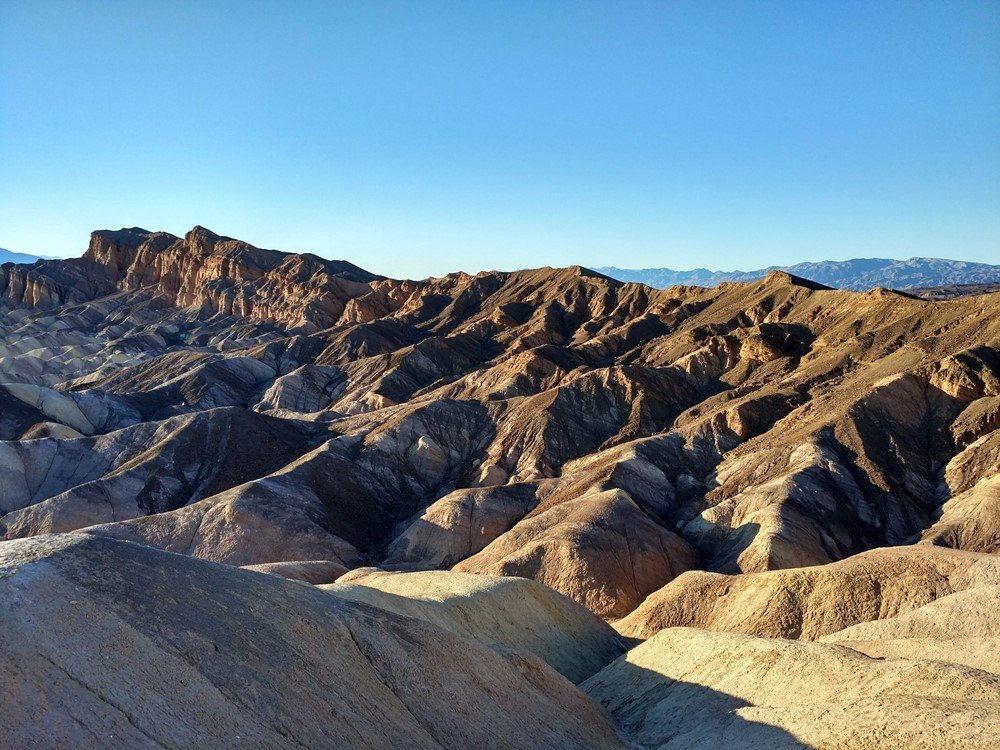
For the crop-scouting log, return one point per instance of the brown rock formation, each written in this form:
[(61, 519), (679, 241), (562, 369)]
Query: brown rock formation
[(513, 612), (231, 277), (773, 458), (601, 550)]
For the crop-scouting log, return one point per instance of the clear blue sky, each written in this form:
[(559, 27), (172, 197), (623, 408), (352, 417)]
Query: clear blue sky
[(417, 138)]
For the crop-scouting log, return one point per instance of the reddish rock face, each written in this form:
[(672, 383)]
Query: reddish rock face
[(231, 277), (211, 273)]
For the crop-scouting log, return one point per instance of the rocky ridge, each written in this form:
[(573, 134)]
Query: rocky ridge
[(554, 424)]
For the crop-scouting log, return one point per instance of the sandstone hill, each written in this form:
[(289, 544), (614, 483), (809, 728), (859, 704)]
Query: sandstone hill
[(962, 628), (514, 612), (817, 601), (688, 688)]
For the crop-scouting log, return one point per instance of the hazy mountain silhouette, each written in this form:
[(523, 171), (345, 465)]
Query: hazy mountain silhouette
[(859, 274)]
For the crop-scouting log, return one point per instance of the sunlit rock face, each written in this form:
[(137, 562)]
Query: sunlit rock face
[(687, 688), (227, 276)]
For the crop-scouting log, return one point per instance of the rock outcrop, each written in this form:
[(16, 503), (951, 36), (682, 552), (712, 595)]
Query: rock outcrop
[(600, 550), (459, 525), (508, 458), (58, 484), (230, 277), (553, 424)]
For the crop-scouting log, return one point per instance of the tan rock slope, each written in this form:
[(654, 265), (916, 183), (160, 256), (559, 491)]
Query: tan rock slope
[(513, 612), (812, 602), (106, 644), (963, 628), (689, 688)]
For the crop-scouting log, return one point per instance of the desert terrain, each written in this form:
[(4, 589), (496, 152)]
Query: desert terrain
[(259, 499)]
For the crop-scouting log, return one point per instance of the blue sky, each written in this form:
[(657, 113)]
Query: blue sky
[(418, 138)]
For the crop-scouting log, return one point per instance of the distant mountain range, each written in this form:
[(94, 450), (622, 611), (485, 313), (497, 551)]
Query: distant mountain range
[(9, 256), (857, 274)]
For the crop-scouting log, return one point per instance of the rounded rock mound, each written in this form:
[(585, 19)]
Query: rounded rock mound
[(514, 612)]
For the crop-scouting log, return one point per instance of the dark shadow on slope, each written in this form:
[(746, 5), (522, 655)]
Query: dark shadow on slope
[(653, 710), (729, 546)]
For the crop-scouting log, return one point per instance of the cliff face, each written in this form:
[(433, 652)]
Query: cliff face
[(232, 277), (19, 285), (210, 272), (52, 283)]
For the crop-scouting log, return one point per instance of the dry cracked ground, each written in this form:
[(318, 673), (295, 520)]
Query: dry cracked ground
[(254, 499)]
